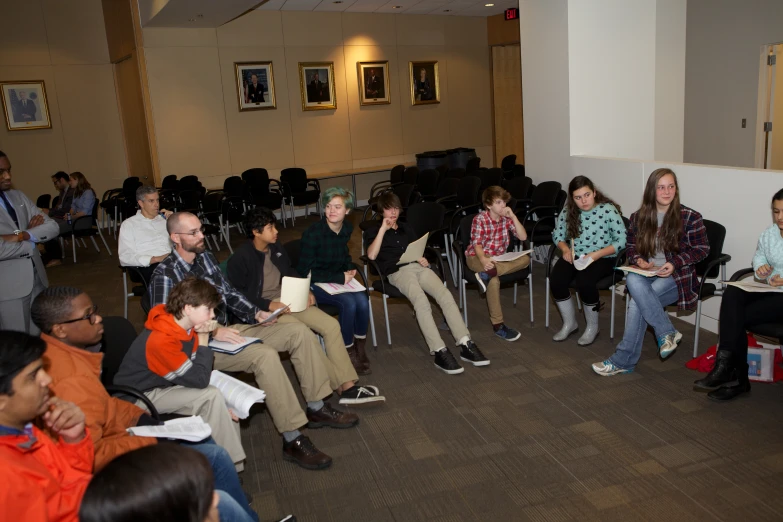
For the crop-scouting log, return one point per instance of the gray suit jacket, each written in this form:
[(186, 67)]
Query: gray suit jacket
[(16, 271)]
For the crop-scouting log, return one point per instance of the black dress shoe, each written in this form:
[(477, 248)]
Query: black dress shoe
[(723, 373)]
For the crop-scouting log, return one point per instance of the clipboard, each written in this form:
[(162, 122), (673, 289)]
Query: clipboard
[(415, 250)]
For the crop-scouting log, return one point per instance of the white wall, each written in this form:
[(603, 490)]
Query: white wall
[(724, 43), (670, 26)]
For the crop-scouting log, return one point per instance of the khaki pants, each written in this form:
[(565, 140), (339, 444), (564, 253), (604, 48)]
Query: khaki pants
[(415, 282), (336, 361), (263, 360), (210, 405), (493, 287)]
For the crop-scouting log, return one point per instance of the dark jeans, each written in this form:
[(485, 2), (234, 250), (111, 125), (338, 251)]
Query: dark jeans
[(354, 311), (740, 310), (564, 272)]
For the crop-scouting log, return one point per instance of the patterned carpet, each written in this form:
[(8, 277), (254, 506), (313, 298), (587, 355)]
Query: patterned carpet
[(535, 436)]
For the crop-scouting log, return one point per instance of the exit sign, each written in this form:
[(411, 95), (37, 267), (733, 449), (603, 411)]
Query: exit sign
[(512, 14)]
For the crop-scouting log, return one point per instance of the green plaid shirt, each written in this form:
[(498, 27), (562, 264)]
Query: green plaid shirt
[(325, 253)]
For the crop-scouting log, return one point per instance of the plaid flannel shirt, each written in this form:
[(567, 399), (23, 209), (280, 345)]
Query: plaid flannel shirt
[(174, 269), (325, 254), (693, 248), (491, 235)]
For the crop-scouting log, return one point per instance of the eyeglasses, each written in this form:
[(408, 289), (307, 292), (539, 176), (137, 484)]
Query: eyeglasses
[(92, 316), (192, 232)]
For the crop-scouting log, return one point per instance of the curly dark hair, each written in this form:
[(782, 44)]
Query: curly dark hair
[(257, 219), (573, 223)]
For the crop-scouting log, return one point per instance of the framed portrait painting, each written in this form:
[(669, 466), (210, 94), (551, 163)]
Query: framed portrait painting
[(425, 86), (25, 106), (255, 86), (373, 83), (316, 85)]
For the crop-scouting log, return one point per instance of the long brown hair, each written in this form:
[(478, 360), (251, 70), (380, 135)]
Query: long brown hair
[(573, 224), (647, 219), (82, 185)]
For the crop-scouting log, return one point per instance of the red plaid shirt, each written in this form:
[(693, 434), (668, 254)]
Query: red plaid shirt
[(491, 235)]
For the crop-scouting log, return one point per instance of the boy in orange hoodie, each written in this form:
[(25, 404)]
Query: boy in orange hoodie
[(40, 479), (168, 365)]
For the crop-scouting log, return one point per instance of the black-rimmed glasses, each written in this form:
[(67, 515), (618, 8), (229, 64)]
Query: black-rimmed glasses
[(91, 316)]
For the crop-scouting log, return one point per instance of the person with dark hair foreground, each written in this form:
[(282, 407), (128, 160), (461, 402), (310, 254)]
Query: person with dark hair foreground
[(43, 475), (740, 310), (593, 224), (72, 331), (669, 238)]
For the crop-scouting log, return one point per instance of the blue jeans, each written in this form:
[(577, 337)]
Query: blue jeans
[(354, 311), (230, 511), (648, 297), (226, 479)]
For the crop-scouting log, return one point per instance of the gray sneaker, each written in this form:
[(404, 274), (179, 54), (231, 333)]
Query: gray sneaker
[(668, 343)]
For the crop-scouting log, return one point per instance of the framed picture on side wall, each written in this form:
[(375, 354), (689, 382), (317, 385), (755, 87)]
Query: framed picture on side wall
[(316, 85), (425, 86), (25, 106), (255, 86), (373, 83)]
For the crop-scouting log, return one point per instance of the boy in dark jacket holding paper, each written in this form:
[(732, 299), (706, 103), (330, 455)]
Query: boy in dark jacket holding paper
[(168, 365), (257, 269)]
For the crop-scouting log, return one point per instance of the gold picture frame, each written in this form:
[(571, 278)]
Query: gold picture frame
[(374, 82), (423, 94), (25, 105), (256, 96), (313, 90)]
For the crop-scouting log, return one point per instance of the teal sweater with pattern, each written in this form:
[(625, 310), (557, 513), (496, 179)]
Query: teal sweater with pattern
[(600, 227)]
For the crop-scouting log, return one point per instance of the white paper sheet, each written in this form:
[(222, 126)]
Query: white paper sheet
[(415, 250), (192, 429), (295, 292), (583, 262), (239, 395), (646, 273), (334, 288), (754, 286), (510, 256), (231, 348)]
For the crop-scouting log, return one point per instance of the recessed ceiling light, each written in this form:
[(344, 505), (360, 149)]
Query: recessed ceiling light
[(489, 5)]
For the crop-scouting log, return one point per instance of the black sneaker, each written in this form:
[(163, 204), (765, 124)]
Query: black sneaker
[(361, 395), (470, 353), (446, 362), (507, 334)]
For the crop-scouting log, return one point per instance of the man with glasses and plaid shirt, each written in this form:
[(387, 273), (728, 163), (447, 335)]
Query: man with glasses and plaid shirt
[(240, 318)]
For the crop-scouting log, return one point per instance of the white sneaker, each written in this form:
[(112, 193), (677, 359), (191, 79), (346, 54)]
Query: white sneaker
[(668, 344), (607, 368)]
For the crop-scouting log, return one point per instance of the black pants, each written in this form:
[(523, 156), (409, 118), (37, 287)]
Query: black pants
[(740, 310), (564, 272)]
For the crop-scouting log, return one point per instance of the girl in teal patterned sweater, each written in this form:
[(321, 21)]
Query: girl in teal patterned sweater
[(589, 233)]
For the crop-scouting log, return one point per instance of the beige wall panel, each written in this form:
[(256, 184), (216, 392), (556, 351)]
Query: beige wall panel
[(91, 124), (369, 29), (462, 31), (302, 28), (76, 31), (117, 18), (256, 28), (421, 30), (188, 111), (424, 127), (376, 130), (257, 138), (470, 98), (320, 137), (486, 155), (23, 37), (176, 37), (35, 154)]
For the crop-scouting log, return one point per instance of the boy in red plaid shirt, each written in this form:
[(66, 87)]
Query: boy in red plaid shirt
[(489, 237)]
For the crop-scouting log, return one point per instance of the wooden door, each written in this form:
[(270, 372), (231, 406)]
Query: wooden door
[(507, 102)]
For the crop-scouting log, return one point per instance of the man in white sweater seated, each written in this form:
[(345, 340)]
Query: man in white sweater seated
[(143, 240)]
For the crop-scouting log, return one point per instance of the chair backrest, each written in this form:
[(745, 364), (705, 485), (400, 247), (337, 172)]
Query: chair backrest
[(411, 175), (447, 187), (406, 192), (295, 178), (472, 165), (169, 182), (455, 173), (131, 183), (508, 162), (442, 169), (397, 174), (427, 184), (468, 191), (118, 335), (213, 201), (188, 183), (188, 201), (294, 250), (233, 187), (518, 187), (518, 171), (545, 194), (425, 217), (463, 236), (490, 177), (43, 201), (256, 178), (716, 235)]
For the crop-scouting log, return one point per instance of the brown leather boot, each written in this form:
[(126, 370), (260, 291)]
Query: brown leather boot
[(354, 357), (361, 354)]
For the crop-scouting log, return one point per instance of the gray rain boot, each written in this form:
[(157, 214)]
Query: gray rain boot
[(569, 319), (591, 332)]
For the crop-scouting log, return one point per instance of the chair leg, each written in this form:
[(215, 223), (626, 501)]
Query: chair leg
[(386, 315), (372, 323), (293, 212), (578, 301), (530, 291), (73, 245), (546, 309), (465, 304), (104, 242), (454, 277), (62, 248), (116, 210), (515, 293), (95, 244), (125, 292), (223, 232), (698, 326), (611, 316)]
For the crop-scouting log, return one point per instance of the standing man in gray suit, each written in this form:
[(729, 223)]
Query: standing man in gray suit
[(22, 273)]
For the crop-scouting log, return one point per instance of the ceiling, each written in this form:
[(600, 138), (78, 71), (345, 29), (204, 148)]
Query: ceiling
[(214, 13)]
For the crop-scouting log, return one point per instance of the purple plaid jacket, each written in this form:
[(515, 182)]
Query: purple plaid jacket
[(693, 248)]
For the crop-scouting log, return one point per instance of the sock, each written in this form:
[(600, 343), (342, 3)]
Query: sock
[(497, 326), (315, 405), (463, 340), (290, 436), (361, 336)]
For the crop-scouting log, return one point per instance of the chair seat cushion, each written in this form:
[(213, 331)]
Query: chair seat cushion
[(606, 282)]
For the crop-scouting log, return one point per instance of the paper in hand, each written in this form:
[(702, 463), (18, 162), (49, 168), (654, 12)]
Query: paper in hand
[(583, 262), (415, 250), (295, 292)]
